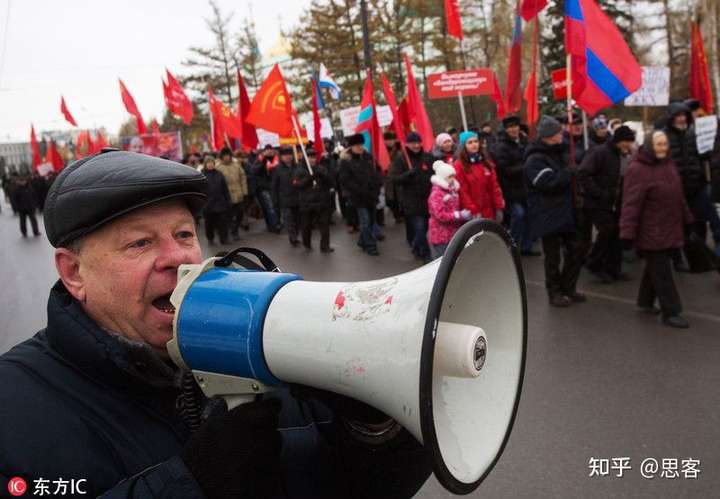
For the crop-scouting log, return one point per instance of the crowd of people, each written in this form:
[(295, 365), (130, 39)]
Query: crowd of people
[(588, 202)]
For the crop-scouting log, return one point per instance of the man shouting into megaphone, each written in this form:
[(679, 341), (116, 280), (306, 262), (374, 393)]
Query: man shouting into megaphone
[(94, 398)]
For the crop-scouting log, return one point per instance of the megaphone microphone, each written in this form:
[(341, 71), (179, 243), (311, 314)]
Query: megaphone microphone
[(441, 349)]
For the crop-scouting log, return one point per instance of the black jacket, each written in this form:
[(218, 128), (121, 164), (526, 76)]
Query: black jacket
[(25, 198), (360, 178), (550, 194), (599, 177), (218, 196), (683, 151), (413, 184), (262, 175), (284, 191), (313, 195), (509, 158), (76, 402)]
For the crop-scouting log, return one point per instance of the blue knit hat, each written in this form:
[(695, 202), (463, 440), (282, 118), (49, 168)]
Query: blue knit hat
[(465, 136)]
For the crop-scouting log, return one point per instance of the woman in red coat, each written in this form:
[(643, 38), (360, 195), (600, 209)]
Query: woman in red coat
[(480, 191), (654, 215)]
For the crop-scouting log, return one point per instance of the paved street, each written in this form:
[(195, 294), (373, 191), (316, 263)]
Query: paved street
[(602, 380)]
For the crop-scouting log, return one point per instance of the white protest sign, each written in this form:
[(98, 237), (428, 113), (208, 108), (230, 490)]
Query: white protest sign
[(326, 131), (349, 118), (265, 137), (705, 131), (655, 89)]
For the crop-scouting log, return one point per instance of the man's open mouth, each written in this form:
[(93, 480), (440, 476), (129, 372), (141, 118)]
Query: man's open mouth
[(163, 304)]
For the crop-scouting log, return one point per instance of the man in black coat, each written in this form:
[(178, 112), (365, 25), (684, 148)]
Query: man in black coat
[(93, 400), (262, 175), (25, 201), (218, 203), (360, 178), (551, 202), (414, 186), (285, 193), (599, 177), (314, 189), (508, 153)]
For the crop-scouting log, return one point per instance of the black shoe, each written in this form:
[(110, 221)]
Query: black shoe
[(236, 237), (380, 237), (372, 252), (24, 235), (676, 321), (245, 227), (576, 297), (560, 301), (650, 310), (327, 250), (603, 277), (308, 249), (530, 253)]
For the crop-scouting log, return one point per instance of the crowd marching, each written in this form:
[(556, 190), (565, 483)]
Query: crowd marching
[(588, 204)]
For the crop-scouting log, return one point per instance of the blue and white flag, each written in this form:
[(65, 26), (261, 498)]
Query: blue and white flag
[(325, 80)]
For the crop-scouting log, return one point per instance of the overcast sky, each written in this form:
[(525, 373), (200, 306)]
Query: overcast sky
[(79, 48)]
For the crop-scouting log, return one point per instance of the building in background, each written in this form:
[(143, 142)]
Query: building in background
[(15, 157)]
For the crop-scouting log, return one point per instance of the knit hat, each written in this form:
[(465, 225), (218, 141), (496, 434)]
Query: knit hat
[(622, 133), (442, 138), (547, 127), (443, 170), (465, 136), (600, 121), (355, 140), (413, 137), (510, 121)]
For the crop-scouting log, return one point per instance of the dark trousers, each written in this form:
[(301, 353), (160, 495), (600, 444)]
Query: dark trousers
[(216, 222), (321, 220), (657, 282), (23, 223), (349, 212), (561, 249), (520, 225), (606, 253), (420, 247), (266, 205), (368, 229), (235, 217), (291, 218)]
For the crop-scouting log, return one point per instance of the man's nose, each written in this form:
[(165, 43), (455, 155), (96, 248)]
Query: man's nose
[(174, 253)]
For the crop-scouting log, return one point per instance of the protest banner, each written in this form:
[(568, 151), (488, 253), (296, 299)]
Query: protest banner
[(705, 132), (655, 89), (168, 145)]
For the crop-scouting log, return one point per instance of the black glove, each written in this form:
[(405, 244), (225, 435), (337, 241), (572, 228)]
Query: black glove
[(626, 244), (237, 453)]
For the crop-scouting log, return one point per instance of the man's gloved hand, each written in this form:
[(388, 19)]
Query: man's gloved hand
[(237, 453)]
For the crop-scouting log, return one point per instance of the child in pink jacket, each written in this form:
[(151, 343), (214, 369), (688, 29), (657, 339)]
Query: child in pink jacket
[(444, 207)]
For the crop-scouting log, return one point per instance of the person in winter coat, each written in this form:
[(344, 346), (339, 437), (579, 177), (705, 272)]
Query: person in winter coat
[(552, 212), (414, 186), (25, 202), (314, 189), (599, 132), (94, 397), (219, 202), (654, 214), (480, 190), (236, 181), (392, 200), (574, 129), (508, 153), (600, 179), (444, 149), (446, 217), (285, 193), (262, 173), (360, 178)]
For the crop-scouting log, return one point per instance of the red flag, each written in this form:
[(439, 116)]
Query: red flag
[(100, 141), (216, 125), (90, 144), (317, 124), (514, 75), (531, 85), (53, 157), (249, 134), (700, 87), (454, 22), (272, 109), (36, 159), (176, 100), (66, 112), (155, 127), (404, 116), (392, 103), (368, 125), (531, 8), (416, 109), (497, 97), (132, 108)]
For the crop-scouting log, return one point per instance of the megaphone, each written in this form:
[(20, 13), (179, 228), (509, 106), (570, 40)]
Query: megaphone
[(440, 349)]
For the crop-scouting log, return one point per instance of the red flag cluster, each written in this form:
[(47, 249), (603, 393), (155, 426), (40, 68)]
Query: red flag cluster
[(700, 87), (175, 99)]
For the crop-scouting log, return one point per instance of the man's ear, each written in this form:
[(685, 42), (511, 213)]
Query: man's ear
[(67, 264)]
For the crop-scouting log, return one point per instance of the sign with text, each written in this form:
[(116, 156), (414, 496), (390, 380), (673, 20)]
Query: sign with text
[(559, 84), (349, 118), (445, 85), (705, 132), (655, 89), (167, 145)]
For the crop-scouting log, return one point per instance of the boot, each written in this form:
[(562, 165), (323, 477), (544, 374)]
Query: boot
[(558, 300), (676, 321)]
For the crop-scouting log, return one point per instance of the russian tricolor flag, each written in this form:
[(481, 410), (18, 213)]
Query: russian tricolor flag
[(604, 69)]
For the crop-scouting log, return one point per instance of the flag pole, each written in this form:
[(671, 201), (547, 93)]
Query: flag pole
[(302, 146), (568, 77), (586, 139), (462, 111)]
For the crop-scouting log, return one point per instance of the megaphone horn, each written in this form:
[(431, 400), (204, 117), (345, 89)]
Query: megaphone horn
[(440, 349)]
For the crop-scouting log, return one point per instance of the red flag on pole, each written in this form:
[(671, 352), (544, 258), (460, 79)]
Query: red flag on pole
[(368, 125), (176, 100), (392, 103), (497, 97), (700, 87), (132, 108), (249, 134), (416, 109), (64, 110), (216, 125), (53, 157), (531, 8), (155, 127), (531, 85), (513, 92), (36, 159), (317, 124), (100, 141), (272, 108), (454, 21)]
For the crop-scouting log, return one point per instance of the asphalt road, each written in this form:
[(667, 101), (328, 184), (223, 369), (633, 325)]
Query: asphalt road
[(602, 380)]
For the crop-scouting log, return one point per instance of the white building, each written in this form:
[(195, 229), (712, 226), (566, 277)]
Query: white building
[(15, 156)]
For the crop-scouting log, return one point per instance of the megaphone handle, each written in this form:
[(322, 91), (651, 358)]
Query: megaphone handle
[(233, 401)]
